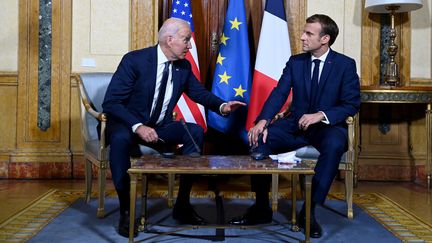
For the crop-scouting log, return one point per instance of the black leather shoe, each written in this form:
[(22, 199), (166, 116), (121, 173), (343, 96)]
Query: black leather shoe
[(185, 214), (315, 228), (253, 216), (123, 227), (258, 156)]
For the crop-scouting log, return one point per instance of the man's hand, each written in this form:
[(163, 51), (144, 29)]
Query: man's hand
[(147, 134), (308, 119), (255, 131), (231, 106)]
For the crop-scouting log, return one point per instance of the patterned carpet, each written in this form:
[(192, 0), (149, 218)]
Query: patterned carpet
[(28, 222)]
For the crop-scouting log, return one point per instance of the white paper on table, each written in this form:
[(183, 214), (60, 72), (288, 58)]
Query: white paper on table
[(288, 157)]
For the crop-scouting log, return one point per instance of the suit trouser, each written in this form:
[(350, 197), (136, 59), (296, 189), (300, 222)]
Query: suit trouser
[(330, 141), (123, 142)]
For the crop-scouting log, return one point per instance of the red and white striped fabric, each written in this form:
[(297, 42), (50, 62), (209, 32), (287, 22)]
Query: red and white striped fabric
[(186, 108), (273, 52)]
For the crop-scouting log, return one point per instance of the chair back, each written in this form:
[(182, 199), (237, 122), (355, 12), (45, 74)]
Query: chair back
[(94, 86)]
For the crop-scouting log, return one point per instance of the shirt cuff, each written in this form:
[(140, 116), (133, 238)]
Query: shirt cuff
[(325, 120), (135, 127), (220, 109)]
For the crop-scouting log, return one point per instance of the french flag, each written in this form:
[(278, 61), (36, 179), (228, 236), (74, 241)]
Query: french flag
[(273, 52), (186, 108)]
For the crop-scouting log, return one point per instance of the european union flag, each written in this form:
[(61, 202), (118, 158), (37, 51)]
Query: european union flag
[(232, 77)]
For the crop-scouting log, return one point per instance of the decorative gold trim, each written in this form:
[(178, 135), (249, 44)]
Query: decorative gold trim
[(143, 23), (8, 78), (296, 15)]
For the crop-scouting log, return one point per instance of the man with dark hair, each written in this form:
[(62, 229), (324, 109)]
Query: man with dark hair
[(326, 90), (139, 103)]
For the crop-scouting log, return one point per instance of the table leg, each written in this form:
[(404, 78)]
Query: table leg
[(142, 227), (171, 181), (308, 187), (294, 225), (428, 143), (133, 187), (275, 191)]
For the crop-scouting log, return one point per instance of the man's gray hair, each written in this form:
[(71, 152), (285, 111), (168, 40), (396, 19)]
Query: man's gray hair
[(170, 27)]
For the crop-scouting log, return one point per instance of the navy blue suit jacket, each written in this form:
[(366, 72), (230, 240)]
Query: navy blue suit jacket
[(129, 96), (338, 92)]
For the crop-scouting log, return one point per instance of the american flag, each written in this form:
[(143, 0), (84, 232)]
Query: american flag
[(186, 108)]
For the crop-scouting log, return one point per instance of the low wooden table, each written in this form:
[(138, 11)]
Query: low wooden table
[(212, 165)]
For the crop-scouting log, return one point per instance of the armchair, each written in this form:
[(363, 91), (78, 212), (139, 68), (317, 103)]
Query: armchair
[(310, 154), (92, 88)]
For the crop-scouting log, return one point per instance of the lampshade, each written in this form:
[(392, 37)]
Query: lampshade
[(379, 6)]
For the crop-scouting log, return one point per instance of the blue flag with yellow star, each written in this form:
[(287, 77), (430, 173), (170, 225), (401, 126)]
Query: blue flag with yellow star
[(232, 77)]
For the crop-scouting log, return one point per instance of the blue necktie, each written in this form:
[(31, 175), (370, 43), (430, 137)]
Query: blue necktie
[(314, 85), (159, 102)]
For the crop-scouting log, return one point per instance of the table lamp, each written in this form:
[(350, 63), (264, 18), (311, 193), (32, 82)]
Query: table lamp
[(392, 7)]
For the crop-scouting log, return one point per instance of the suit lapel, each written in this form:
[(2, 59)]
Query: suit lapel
[(152, 64), (307, 74)]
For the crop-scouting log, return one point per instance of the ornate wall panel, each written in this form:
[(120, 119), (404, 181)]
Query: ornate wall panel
[(51, 142), (144, 23)]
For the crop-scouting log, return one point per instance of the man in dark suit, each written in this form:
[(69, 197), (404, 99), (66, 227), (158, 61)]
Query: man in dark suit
[(139, 103), (325, 89)]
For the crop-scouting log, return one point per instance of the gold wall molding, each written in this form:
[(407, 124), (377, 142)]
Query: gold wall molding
[(144, 23), (8, 78), (296, 13), (30, 139)]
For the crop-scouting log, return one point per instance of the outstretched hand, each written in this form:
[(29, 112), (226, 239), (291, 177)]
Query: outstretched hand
[(232, 106)]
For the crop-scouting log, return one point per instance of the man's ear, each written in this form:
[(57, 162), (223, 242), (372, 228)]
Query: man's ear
[(325, 39), (169, 40)]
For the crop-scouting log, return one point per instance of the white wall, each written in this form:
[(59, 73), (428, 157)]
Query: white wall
[(100, 34), (9, 35), (421, 42)]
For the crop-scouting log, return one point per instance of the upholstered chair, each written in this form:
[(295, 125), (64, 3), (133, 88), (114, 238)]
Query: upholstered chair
[(92, 88), (310, 155)]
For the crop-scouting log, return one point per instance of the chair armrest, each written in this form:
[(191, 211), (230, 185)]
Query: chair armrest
[(351, 138), (100, 116)]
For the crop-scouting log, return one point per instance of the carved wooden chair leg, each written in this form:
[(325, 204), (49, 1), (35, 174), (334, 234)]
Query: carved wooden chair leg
[(88, 180), (102, 182), (349, 177)]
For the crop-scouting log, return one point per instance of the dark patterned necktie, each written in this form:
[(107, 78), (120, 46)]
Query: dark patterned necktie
[(314, 85), (159, 102)]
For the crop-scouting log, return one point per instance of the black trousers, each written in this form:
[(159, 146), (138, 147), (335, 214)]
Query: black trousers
[(330, 141), (123, 142)]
